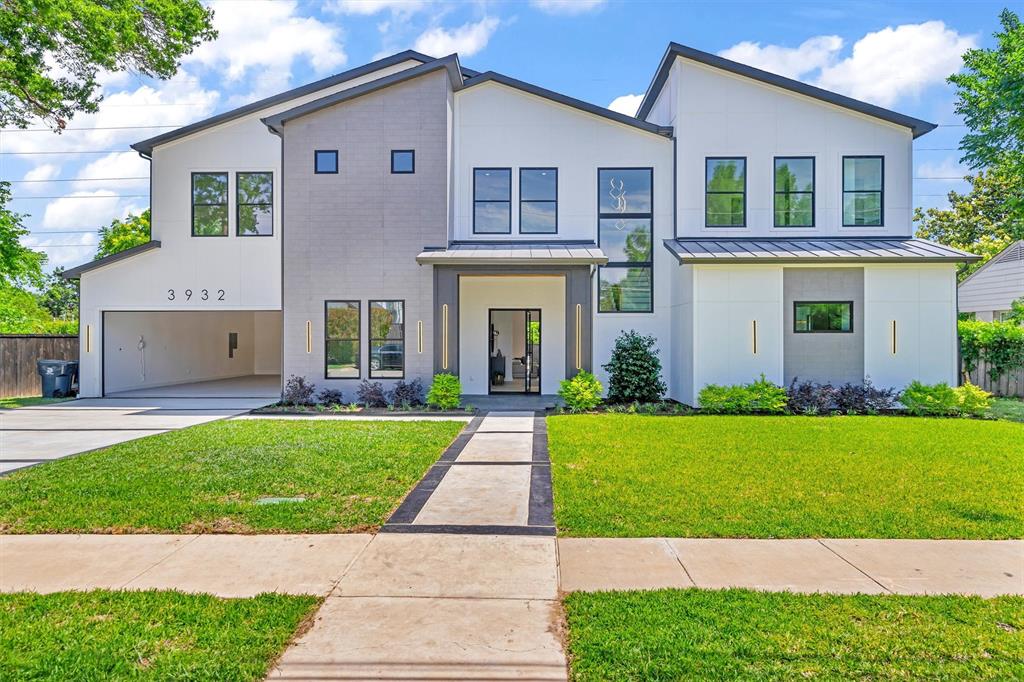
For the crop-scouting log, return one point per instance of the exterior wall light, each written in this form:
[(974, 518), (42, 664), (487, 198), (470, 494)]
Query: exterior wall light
[(579, 336), (419, 336), (309, 336), (444, 336)]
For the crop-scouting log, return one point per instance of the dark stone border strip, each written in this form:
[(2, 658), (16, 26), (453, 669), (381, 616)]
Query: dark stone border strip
[(542, 505), (543, 531), (460, 442)]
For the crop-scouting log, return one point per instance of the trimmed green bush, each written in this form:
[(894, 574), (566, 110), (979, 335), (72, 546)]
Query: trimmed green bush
[(445, 392), (935, 400), (759, 397), (581, 393), (974, 401), (634, 370)]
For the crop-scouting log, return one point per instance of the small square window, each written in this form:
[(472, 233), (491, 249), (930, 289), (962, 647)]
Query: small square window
[(325, 161), (403, 161)]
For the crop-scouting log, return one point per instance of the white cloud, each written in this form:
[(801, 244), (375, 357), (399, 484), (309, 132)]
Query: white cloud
[(792, 62), (369, 7), (70, 212), (626, 104), (948, 169), (117, 165), (46, 171), (467, 39), (567, 7)]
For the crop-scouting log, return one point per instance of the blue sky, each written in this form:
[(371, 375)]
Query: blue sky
[(896, 54)]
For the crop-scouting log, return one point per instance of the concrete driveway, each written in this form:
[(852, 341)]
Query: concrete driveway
[(30, 435)]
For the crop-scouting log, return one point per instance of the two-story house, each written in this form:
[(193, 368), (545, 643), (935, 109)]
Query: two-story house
[(413, 216)]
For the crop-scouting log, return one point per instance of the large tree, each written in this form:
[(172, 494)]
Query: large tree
[(123, 234), (19, 265)]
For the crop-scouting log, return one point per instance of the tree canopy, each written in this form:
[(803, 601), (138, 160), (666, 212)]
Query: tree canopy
[(123, 234), (19, 265)]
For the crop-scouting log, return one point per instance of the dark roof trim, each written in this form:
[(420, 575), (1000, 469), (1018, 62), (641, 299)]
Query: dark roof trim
[(818, 249), (916, 125), (531, 242), (450, 63), (145, 147), (491, 76), (76, 272)]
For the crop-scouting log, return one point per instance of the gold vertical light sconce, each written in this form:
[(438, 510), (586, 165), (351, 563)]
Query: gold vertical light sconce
[(893, 328), (309, 336), (419, 336), (753, 329), (579, 336), (444, 336), (88, 338)]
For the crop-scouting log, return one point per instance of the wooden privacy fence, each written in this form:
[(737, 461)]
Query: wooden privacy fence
[(1009, 385), (18, 355)]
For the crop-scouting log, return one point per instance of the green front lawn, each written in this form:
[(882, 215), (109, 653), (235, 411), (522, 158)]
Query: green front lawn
[(29, 401), (105, 635), (208, 478), (1008, 408), (848, 477), (738, 634)]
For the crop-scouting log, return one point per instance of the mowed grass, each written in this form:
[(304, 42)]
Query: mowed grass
[(1011, 409), (744, 635), (105, 635), (787, 477), (207, 479), (29, 401)]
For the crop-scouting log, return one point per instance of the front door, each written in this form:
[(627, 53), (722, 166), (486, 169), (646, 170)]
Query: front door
[(514, 357)]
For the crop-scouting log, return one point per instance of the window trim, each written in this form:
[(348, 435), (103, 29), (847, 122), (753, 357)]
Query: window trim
[(370, 339), (813, 193), (239, 204), (741, 226), (620, 264), (403, 151), (844, 191), (537, 201), (493, 201), (359, 340), (227, 203), (337, 162), (823, 331)]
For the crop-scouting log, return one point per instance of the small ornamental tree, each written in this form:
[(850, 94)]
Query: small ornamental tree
[(445, 392), (634, 370)]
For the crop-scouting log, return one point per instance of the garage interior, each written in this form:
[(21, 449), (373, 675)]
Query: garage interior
[(192, 354)]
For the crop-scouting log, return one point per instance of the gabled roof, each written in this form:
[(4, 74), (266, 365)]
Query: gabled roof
[(76, 272), (693, 250), (1012, 253), (916, 125), (145, 147)]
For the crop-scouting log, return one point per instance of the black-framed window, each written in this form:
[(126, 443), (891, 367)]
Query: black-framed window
[(794, 191), (341, 339), (387, 339), (538, 200), (725, 191), (863, 191), (492, 201), (254, 204), (325, 161), (625, 232), (823, 317), (209, 204), (403, 161)]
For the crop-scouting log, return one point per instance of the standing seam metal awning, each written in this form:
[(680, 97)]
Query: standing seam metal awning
[(548, 253), (815, 250)]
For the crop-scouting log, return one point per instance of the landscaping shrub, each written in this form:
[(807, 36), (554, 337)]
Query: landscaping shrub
[(445, 392), (330, 397), (973, 401), (371, 394), (406, 394), (930, 400), (759, 397), (298, 391), (808, 397), (864, 398), (581, 393), (634, 370)]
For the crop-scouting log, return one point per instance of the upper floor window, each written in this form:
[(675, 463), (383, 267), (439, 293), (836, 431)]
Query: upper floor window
[(209, 204), (863, 201), (403, 161), (725, 187), (492, 200), (254, 205), (625, 234), (325, 161), (817, 318), (341, 337), (538, 200), (387, 339), (794, 191)]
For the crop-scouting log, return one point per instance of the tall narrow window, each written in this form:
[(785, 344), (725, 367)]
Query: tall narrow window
[(625, 234), (863, 201), (725, 187), (492, 200), (538, 200), (341, 331), (209, 204), (794, 191), (387, 339), (254, 204)]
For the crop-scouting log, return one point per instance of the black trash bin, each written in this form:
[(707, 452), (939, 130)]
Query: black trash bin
[(58, 376)]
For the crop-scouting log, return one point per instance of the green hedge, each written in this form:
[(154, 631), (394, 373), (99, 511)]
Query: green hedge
[(1001, 344)]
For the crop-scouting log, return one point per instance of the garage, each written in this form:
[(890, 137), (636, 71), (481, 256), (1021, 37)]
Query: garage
[(187, 354)]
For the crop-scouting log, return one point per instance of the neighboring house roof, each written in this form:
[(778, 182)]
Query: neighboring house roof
[(916, 125), (813, 250), (509, 253), (145, 147), (76, 272), (1012, 253)]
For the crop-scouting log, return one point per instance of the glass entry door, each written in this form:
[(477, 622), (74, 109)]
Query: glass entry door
[(514, 353)]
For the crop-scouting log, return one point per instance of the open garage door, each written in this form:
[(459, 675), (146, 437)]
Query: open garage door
[(208, 354)]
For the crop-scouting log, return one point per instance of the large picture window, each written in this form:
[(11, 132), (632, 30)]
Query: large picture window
[(254, 204), (209, 204), (625, 233), (863, 195), (794, 191), (538, 200), (823, 317), (725, 187), (387, 339), (492, 200), (341, 327)]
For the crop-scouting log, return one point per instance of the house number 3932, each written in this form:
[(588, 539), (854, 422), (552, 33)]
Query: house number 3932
[(200, 294)]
